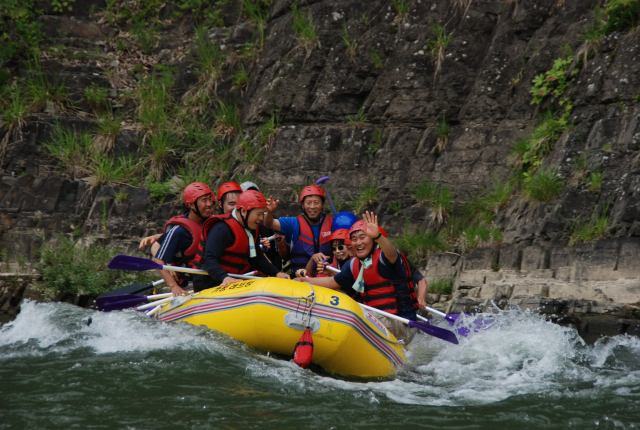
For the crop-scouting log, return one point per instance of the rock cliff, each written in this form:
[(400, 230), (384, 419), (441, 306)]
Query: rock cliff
[(366, 103)]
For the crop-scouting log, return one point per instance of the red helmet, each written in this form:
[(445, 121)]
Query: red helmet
[(362, 226), (251, 199), (194, 191), (311, 190), (227, 187), (342, 234)]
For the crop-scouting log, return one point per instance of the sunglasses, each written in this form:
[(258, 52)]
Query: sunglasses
[(339, 248), (279, 239)]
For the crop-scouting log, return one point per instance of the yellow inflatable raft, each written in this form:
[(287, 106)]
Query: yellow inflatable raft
[(271, 314)]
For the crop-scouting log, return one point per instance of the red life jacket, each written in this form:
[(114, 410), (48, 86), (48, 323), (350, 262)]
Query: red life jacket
[(382, 293), (192, 227), (235, 258), (307, 245)]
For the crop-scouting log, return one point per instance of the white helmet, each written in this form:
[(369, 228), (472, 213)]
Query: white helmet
[(249, 186)]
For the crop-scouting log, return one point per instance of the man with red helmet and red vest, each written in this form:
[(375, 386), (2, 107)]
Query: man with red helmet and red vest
[(228, 244), (228, 194), (379, 276), (227, 197), (181, 237), (307, 234)]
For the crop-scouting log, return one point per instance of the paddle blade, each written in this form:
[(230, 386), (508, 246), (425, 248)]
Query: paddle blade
[(303, 351), (129, 289), (136, 264), (435, 331), (116, 303)]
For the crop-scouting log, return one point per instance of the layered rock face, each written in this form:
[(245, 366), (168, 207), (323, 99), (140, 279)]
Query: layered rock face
[(371, 116)]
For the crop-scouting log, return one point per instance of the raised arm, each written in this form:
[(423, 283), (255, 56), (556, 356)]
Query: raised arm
[(389, 250), (269, 220)]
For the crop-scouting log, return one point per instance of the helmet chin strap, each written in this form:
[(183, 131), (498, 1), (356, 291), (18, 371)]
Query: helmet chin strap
[(245, 219), (196, 210), (316, 219)]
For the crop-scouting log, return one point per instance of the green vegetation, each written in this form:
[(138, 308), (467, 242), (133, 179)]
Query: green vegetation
[(69, 268), (441, 285), (20, 37), (210, 59), (13, 115), (267, 131), (554, 81), (146, 36), (155, 103), (72, 149), (543, 139), (437, 198), (96, 97), (591, 230), (442, 136), (107, 129), (591, 38), (418, 246), (484, 205), (352, 45), (367, 195), (579, 168), (437, 45), (622, 15), (121, 196), (359, 119), (596, 178), (227, 119), (305, 30), (377, 61), (544, 185), (257, 11), (42, 91), (374, 145), (240, 79), (402, 8)]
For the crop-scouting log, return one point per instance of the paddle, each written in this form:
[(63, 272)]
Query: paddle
[(132, 289), (462, 331), (322, 181), (429, 329), (139, 264), (115, 303)]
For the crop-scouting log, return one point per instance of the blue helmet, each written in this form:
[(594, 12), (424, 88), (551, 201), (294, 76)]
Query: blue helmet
[(343, 220)]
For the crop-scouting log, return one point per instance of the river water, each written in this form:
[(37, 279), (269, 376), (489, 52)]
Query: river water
[(126, 371)]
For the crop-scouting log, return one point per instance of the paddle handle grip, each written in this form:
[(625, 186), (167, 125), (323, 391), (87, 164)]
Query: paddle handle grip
[(435, 311), (233, 275), (333, 269), (156, 303), (386, 314), (421, 318), (154, 310), (158, 282), (184, 269), (159, 296)]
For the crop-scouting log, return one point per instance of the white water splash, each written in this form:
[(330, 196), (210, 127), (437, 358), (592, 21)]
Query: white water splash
[(522, 354), (61, 328)]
